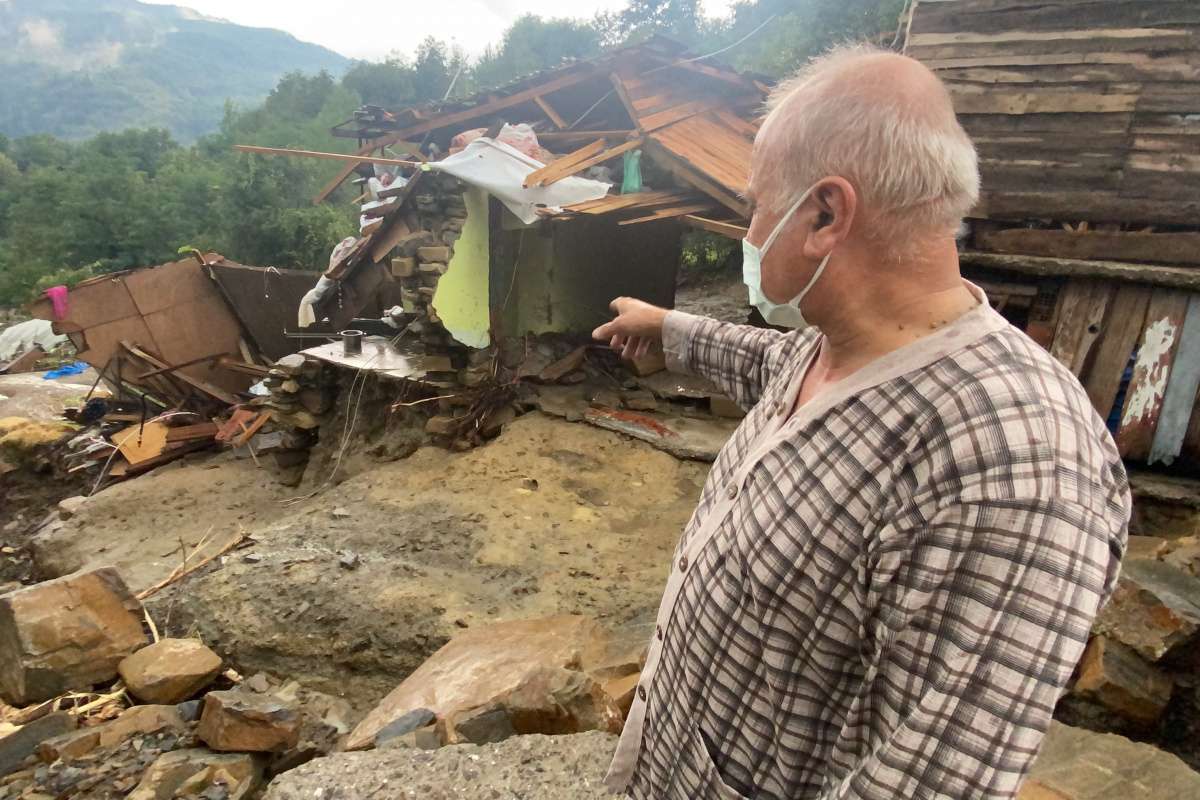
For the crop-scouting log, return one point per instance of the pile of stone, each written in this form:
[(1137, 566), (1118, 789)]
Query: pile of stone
[(423, 257), (1138, 674), (75, 650)]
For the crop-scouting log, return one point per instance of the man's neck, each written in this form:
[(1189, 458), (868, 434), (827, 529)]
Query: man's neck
[(879, 316)]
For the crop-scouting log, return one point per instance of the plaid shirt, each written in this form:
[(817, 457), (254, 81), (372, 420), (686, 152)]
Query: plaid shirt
[(883, 595)]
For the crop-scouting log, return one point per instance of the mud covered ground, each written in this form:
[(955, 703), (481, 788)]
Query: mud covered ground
[(351, 589)]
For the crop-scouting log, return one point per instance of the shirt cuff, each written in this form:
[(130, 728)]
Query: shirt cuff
[(678, 328)]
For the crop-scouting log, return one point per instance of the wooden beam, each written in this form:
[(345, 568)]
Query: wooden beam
[(1152, 275), (732, 230), (550, 112), (283, 151), (599, 158), (1163, 248), (574, 136), (668, 213), (1123, 327), (1148, 386), (557, 169), (727, 76), (623, 94), (205, 387)]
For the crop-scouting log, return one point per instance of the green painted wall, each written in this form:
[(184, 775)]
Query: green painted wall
[(462, 293)]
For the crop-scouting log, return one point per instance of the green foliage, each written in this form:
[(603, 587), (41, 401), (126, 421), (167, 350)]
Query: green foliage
[(534, 44), (72, 210)]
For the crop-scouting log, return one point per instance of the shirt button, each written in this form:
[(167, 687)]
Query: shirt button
[(683, 564), (658, 632), (642, 693), (732, 491)]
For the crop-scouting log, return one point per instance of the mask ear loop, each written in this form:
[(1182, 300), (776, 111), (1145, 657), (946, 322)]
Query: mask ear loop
[(783, 221)]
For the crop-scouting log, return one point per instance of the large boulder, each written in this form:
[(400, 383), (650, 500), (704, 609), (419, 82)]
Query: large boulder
[(533, 672), (529, 767), (1124, 683), (170, 671), (68, 633)]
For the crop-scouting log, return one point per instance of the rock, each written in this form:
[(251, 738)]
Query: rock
[(340, 513), (190, 711), (139, 720), (490, 723), (417, 718), (722, 406), (529, 767), (189, 772), (524, 665), (69, 746), (70, 507), (403, 267), (441, 425), (652, 362), (22, 743), (291, 364), (408, 245), (1155, 609), (1077, 764), (1151, 547), (426, 738), (434, 253), (621, 691), (238, 721), (640, 400), (1119, 679), (1184, 554), (170, 671), (258, 682), (67, 633)]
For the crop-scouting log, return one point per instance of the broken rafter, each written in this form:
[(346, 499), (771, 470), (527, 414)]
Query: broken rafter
[(668, 213), (205, 387), (283, 151), (446, 120), (730, 229), (556, 170), (623, 94), (599, 158), (571, 136), (550, 112)]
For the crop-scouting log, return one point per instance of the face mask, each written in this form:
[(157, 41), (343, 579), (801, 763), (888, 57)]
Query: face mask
[(787, 315)]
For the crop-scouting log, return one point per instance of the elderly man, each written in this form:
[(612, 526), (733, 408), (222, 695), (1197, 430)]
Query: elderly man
[(897, 558)]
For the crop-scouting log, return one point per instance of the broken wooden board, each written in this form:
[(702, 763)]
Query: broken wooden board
[(139, 443), (1080, 315), (1151, 372), (1162, 248), (1122, 328), (1179, 400)]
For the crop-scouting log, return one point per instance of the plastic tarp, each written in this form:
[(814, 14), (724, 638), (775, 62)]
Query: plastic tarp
[(501, 171), (23, 336)]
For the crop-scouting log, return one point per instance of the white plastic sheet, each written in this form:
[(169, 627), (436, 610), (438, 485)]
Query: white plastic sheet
[(500, 171), (24, 336)]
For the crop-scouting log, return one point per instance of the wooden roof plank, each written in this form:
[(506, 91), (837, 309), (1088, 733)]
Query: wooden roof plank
[(599, 158), (556, 169)]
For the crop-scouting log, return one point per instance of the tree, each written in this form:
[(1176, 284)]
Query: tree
[(531, 44)]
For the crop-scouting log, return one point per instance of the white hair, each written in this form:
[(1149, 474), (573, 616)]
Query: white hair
[(858, 113)]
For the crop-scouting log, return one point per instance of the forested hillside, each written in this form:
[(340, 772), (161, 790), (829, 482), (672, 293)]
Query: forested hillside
[(69, 210), (74, 68)]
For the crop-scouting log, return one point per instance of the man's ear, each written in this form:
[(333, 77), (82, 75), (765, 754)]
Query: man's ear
[(837, 203)]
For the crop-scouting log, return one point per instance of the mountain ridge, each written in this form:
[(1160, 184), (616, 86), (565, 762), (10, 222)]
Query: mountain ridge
[(75, 68)]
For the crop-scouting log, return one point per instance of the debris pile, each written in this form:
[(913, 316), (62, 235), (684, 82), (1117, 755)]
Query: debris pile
[(1137, 676), (76, 659)]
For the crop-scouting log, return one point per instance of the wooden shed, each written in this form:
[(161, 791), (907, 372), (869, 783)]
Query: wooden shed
[(1086, 116)]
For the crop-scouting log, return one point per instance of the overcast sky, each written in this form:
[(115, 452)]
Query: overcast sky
[(371, 30)]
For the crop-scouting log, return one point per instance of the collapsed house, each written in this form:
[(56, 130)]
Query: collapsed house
[(1088, 231), (475, 252)]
